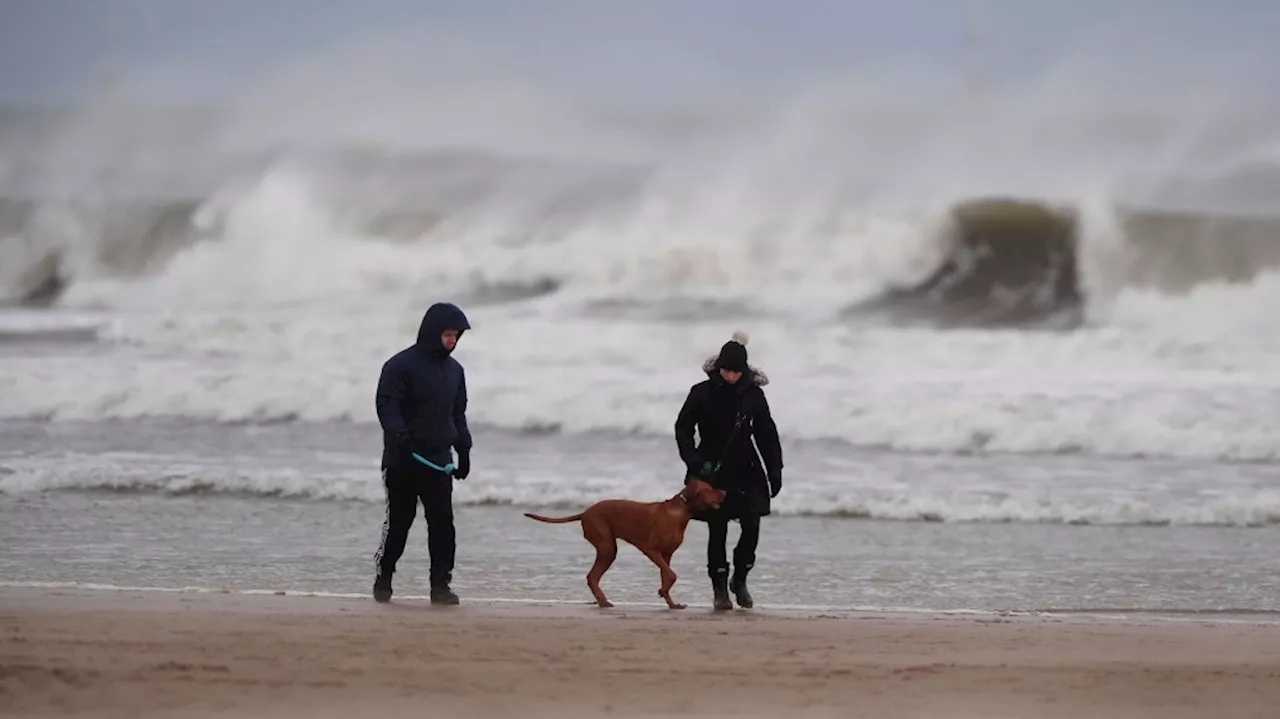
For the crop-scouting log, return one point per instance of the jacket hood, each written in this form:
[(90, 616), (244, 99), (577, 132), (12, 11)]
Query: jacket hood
[(438, 318)]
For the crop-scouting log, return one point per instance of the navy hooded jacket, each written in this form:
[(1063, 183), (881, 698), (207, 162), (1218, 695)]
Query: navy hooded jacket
[(422, 395)]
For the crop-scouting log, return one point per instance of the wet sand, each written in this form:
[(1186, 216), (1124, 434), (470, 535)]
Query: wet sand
[(150, 654)]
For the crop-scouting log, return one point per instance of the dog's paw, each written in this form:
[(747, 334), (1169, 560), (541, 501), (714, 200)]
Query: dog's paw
[(605, 604)]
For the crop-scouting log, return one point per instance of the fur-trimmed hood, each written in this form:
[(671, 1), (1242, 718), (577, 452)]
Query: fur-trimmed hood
[(756, 377)]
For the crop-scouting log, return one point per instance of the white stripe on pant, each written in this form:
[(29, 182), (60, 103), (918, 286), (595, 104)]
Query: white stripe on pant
[(386, 529)]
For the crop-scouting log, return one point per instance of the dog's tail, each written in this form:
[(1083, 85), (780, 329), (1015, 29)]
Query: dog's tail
[(554, 520)]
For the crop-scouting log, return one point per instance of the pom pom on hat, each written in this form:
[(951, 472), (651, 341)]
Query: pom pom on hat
[(741, 337)]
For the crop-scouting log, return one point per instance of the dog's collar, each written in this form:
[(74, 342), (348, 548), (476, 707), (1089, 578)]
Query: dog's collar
[(683, 497)]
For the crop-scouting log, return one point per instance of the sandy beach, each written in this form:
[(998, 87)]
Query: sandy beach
[(109, 653)]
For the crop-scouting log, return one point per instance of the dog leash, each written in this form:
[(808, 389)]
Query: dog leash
[(447, 469), (738, 419), (737, 424)]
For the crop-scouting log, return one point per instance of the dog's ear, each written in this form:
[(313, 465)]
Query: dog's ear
[(703, 490), (706, 496), (690, 492)]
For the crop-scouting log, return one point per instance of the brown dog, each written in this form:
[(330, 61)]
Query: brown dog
[(655, 528)]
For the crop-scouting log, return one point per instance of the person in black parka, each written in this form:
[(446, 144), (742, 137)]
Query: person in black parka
[(422, 407), (729, 411)]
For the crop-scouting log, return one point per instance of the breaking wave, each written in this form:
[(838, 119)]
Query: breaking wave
[(255, 262), (981, 262), (859, 206), (828, 499)]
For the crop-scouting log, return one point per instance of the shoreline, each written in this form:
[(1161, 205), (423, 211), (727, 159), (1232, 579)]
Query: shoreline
[(135, 653), (85, 591)]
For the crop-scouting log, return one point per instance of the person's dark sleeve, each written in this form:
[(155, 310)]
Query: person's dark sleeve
[(389, 398), (765, 431), (463, 443), (686, 422)]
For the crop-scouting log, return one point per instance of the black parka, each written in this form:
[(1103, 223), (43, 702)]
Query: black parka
[(750, 457)]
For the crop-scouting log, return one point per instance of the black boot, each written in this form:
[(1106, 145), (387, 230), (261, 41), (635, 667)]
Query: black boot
[(441, 594), (739, 586), (382, 588), (720, 585)]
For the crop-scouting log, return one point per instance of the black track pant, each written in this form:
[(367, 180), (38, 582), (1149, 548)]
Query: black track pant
[(744, 555), (405, 488)]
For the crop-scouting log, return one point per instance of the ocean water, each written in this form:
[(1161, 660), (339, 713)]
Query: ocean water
[(197, 311), (296, 508)]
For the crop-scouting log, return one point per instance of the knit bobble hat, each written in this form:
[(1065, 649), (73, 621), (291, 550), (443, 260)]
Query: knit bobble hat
[(733, 355), (755, 374)]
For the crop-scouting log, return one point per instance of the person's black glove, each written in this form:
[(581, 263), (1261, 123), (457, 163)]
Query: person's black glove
[(463, 467), (698, 469), (404, 445), (775, 482)]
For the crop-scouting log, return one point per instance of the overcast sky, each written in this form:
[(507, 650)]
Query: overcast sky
[(55, 51)]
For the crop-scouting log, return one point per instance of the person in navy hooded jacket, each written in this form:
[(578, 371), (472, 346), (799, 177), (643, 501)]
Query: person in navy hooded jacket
[(422, 407)]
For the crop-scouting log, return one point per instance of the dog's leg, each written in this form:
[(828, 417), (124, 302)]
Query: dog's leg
[(606, 551), (668, 577), (604, 559)]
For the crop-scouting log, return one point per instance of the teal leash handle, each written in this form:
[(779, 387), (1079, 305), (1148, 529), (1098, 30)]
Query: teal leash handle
[(447, 469)]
